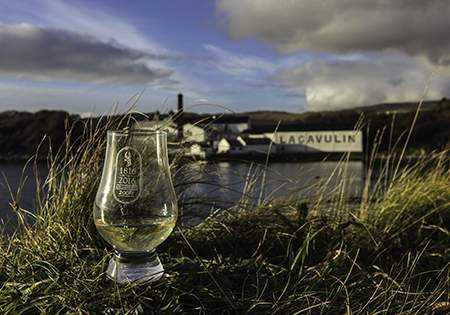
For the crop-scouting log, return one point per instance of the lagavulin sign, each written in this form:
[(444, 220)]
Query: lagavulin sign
[(319, 141)]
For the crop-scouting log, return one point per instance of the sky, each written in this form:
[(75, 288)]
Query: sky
[(91, 56)]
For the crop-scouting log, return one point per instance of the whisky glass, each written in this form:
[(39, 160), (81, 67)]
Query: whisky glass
[(135, 208)]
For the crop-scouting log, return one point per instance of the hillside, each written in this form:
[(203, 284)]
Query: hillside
[(21, 133), (387, 124)]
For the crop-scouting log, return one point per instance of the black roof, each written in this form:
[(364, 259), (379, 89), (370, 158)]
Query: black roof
[(234, 143), (300, 127), (250, 141)]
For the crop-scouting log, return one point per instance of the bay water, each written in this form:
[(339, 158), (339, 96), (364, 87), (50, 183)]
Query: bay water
[(226, 181)]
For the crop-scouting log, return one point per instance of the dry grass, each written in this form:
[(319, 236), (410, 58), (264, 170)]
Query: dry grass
[(382, 254)]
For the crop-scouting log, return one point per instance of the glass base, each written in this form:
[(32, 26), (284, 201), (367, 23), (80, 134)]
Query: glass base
[(135, 268)]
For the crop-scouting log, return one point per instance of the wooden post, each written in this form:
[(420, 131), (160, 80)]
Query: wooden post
[(180, 120)]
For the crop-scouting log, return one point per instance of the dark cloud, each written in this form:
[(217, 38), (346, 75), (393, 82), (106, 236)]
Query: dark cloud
[(46, 54), (413, 27)]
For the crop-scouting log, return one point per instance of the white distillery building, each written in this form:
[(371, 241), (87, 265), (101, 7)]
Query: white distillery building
[(191, 133), (203, 129), (219, 135)]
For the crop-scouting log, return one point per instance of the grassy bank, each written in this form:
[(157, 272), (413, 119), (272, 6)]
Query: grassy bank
[(330, 253)]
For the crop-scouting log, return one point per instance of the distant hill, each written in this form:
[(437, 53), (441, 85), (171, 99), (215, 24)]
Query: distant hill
[(21, 133), (397, 107)]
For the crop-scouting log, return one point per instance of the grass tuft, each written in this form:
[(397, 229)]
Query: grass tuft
[(310, 251)]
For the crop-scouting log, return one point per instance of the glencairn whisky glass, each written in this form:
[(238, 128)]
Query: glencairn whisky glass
[(135, 208)]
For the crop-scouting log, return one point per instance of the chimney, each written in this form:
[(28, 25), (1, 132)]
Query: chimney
[(180, 120)]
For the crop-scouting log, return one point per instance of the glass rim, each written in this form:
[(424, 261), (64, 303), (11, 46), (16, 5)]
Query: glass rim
[(127, 132)]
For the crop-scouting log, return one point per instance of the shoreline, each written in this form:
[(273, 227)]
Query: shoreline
[(258, 157)]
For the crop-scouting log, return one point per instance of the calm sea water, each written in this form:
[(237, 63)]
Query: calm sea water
[(18, 183), (227, 181), (230, 180)]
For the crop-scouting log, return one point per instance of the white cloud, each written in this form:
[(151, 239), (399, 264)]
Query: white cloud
[(77, 17), (367, 52), (337, 84), (23, 96), (238, 64)]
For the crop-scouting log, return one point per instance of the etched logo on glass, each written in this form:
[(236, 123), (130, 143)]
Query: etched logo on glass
[(128, 177)]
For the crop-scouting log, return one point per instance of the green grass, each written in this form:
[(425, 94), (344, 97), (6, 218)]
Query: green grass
[(381, 254)]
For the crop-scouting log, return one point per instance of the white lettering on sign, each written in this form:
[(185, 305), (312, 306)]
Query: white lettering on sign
[(326, 141)]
